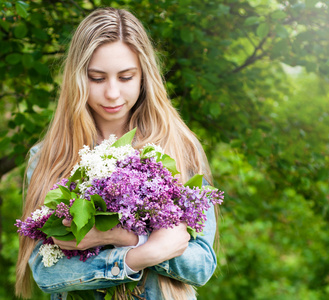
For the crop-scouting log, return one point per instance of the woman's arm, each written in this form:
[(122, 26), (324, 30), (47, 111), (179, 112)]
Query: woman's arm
[(101, 271), (195, 265)]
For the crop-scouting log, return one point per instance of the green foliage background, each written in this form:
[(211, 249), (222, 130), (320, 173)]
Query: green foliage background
[(250, 77)]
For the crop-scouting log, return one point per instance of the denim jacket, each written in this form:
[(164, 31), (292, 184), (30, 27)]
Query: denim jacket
[(195, 266)]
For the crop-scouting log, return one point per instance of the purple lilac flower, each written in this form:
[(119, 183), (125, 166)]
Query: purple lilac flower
[(63, 211), (31, 225), (149, 198), (63, 182), (84, 254)]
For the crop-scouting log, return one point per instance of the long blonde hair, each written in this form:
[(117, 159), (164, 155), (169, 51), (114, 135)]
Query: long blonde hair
[(73, 125)]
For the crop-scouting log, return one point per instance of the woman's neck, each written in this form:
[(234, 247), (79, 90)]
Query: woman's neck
[(105, 130)]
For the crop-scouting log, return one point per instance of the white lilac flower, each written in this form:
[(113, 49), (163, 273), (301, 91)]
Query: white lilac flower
[(101, 161), (83, 187), (50, 254), (154, 152), (39, 213), (76, 167)]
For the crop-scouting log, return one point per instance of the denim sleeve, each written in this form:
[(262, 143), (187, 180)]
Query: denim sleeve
[(198, 262), (100, 271), (33, 161)]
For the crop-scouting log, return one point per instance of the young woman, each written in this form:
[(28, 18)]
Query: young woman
[(111, 84)]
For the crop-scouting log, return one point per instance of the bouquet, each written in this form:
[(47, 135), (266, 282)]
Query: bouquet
[(116, 185)]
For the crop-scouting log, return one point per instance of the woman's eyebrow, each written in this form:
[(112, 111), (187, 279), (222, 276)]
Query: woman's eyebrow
[(102, 72), (129, 69), (96, 71)]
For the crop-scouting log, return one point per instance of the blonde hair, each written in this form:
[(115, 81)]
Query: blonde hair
[(73, 125)]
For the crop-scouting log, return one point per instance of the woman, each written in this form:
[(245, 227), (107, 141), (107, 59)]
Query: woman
[(111, 84)]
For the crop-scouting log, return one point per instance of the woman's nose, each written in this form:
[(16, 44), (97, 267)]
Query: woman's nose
[(112, 91)]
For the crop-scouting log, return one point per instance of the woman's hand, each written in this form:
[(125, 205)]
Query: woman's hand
[(116, 236), (163, 244)]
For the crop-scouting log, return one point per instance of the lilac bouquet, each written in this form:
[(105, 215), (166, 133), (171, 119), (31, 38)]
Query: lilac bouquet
[(116, 185)]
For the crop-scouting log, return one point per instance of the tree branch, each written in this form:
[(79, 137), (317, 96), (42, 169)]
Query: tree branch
[(6, 164), (253, 57)]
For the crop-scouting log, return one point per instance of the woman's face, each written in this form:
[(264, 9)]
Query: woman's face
[(114, 74)]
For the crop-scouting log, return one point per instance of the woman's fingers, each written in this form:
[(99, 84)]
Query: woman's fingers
[(117, 237), (66, 222)]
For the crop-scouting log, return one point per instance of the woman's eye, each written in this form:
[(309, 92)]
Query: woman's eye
[(126, 78), (96, 79)]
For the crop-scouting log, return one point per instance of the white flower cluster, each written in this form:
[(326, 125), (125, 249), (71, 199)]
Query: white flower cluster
[(100, 162), (39, 213), (156, 149), (50, 254)]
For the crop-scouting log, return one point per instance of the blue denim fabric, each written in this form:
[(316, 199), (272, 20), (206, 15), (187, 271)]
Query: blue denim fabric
[(194, 267)]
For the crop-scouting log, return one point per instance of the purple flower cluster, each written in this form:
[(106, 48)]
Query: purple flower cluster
[(63, 210), (30, 227), (63, 182), (149, 198), (84, 254)]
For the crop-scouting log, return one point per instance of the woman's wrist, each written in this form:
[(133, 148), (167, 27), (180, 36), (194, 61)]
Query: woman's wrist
[(142, 257), (119, 237)]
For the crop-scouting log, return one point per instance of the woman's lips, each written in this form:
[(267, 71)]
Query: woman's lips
[(112, 109)]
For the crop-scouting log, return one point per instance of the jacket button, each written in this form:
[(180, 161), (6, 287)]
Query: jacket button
[(115, 270)]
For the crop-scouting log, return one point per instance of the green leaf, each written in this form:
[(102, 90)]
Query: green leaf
[(263, 30), (5, 25), (41, 68), (80, 295), (21, 8), (146, 150), (53, 198), (20, 31), (13, 58), (54, 227), (77, 175), (235, 143), (196, 93), (187, 35), (107, 213), (82, 211), (264, 152), (278, 15), (4, 143), (192, 232), (66, 194), (110, 292), (310, 3), (40, 34), (215, 109), (106, 222), (27, 60), (223, 9), (281, 31), (81, 232), (126, 139), (99, 201), (68, 237), (169, 163), (131, 285), (251, 21), (19, 119), (195, 181), (209, 187)]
